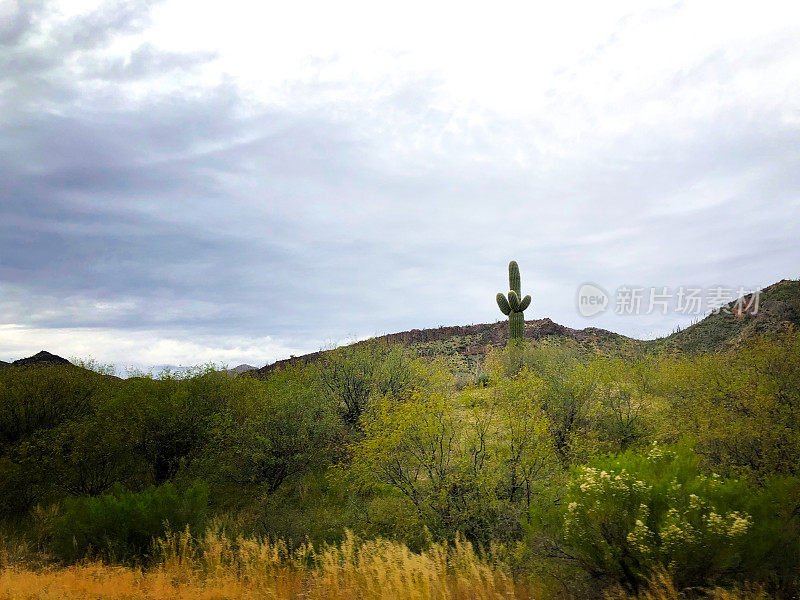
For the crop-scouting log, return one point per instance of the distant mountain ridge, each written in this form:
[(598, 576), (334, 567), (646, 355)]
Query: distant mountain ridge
[(779, 307), (466, 345)]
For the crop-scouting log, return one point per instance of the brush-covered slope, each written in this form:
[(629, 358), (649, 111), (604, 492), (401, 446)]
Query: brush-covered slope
[(463, 346), (778, 308)]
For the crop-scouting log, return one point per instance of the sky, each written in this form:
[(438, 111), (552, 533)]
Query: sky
[(185, 182)]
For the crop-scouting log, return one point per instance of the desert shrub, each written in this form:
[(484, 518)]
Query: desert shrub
[(51, 438), (741, 407), (169, 419), (272, 431), (521, 444), (349, 376), (628, 514), (625, 389), (122, 525), (773, 547), (395, 517), (566, 387), (85, 457), (435, 454), (35, 398), (469, 464)]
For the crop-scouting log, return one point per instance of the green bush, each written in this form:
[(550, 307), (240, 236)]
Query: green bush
[(122, 525), (773, 547), (629, 514), (349, 376), (36, 398), (277, 431), (170, 418)]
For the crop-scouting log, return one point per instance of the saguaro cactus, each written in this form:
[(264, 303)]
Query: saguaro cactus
[(513, 306)]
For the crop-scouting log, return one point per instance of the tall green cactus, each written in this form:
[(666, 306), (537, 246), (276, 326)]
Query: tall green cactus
[(513, 306)]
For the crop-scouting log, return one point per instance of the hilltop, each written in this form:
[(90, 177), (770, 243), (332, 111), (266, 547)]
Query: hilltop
[(42, 357), (464, 346)]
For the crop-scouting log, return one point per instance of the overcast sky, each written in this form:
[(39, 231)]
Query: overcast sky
[(184, 182)]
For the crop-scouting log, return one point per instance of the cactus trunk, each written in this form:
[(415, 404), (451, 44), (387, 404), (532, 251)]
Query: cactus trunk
[(514, 305), (516, 326)]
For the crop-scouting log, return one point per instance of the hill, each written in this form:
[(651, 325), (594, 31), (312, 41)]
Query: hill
[(40, 358), (464, 346), (778, 308), (373, 447)]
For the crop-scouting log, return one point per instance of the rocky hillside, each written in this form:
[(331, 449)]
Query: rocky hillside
[(465, 345), (778, 308)]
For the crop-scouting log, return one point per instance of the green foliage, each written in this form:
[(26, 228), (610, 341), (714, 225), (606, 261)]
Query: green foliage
[(482, 379), (36, 398), (170, 418), (273, 430), (468, 466), (629, 514), (54, 436), (83, 457), (394, 516), (627, 399), (419, 448), (312, 506), (123, 524), (742, 407), (567, 390), (349, 376), (522, 445), (773, 555), (515, 304), (374, 439), (90, 364)]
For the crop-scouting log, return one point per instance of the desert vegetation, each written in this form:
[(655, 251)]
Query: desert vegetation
[(556, 470)]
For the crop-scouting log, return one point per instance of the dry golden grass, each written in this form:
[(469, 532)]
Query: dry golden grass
[(215, 567)]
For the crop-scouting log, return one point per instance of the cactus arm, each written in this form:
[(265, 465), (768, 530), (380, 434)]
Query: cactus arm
[(503, 304), (513, 277), (525, 303), (513, 301)]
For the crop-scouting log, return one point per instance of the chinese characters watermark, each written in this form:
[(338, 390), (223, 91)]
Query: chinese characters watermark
[(687, 300)]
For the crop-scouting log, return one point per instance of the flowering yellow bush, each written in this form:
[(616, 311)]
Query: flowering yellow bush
[(629, 514)]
